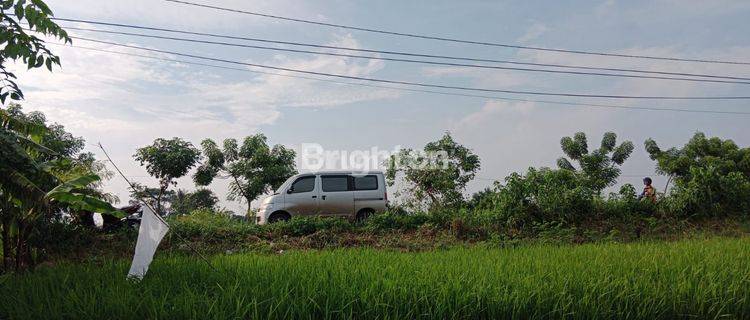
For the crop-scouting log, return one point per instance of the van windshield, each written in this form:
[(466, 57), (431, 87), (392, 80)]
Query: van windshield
[(284, 185)]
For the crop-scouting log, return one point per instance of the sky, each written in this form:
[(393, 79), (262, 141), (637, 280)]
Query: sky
[(125, 102)]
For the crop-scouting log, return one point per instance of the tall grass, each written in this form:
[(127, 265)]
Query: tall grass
[(694, 278)]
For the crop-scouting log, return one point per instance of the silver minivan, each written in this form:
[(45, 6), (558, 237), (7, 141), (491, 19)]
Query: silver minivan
[(329, 194)]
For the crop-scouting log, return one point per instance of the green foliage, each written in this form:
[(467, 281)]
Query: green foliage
[(139, 192), (36, 181), (599, 168), (700, 152), (255, 168), (392, 220), (215, 227), (711, 176), (185, 202), (167, 160), (302, 226), (624, 204), (73, 193), (18, 44), (436, 177), (542, 195), (711, 193), (211, 226)]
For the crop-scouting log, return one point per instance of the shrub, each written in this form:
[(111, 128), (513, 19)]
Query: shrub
[(302, 226), (211, 225), (712, 176), (396, 220), (710, 193), (623, 204), (541, 195)]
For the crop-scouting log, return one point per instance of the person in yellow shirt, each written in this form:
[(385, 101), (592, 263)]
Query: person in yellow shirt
[(648, 191)]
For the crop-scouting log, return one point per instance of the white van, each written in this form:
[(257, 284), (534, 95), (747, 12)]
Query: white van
[(330, 194)]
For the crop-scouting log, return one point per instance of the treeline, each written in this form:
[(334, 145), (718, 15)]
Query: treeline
[(707, 178), (50, 188)]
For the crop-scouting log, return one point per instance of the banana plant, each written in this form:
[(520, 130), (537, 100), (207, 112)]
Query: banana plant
[(74, 195)]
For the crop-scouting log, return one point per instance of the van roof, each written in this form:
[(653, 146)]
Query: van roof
[(343, 172)]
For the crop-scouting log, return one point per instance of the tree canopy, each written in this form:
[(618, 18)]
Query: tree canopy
[(600, 167), (42, 171), (167, 160), (438, 175), (712, 176), (19, 44), (701, 152), (254, 167)]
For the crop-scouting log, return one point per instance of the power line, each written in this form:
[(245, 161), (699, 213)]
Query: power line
[(419, 84), (408, 60), (620, 176), (412, 89), (438, 38), (411, 54)]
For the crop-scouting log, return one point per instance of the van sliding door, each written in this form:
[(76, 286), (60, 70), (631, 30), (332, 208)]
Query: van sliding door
[(336, 197)]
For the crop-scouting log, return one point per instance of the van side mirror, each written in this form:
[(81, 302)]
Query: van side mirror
[(290, 190)]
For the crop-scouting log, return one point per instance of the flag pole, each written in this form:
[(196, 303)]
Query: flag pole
[(187, 243)]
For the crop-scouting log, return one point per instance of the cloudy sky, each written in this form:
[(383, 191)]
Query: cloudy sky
[(126, 101)]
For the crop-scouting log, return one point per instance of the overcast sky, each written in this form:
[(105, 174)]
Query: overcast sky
[(125, 102)]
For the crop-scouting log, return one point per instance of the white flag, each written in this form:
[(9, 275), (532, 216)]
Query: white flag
[(151, 231)]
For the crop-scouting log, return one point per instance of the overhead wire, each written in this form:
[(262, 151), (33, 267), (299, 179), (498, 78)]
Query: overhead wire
[(606, 106), (419, 84), (456, 40), (409, 60), (402, 53)]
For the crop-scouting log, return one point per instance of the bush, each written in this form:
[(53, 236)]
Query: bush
[(211, 225), (710, 193), (540, 196), (624, 204), (396, 220), (302, 226)]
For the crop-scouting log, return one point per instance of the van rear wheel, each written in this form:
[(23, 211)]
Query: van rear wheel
[(363, 214)]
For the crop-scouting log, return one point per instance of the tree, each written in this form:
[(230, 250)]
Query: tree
[(255, 168), (167, 160), (37, 181), (700, 152), (599, 168), (140, 192), (187, 202), (712, 176), (18, 44), (437, 176)]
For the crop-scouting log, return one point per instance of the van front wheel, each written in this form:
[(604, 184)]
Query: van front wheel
[(278, 216)]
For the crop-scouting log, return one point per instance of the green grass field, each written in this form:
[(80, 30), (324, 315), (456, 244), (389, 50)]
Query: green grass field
[(686, 279)]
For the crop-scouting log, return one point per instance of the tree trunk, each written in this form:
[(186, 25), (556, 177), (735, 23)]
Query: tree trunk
[(247, 197), (666, 186), (249, 214), (7, 248), (19, 245), (158, 201)]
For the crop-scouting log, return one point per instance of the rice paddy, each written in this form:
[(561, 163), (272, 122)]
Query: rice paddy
[(701, 278)]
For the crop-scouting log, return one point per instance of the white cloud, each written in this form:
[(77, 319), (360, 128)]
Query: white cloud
[(163, 13), (532, 33)]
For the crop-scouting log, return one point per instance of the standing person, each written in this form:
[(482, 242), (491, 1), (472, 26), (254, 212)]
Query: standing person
[(648, 191)]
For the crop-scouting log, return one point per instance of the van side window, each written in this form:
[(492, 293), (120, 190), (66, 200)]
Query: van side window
[(303, 184), (335, 183), (369, 182)]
